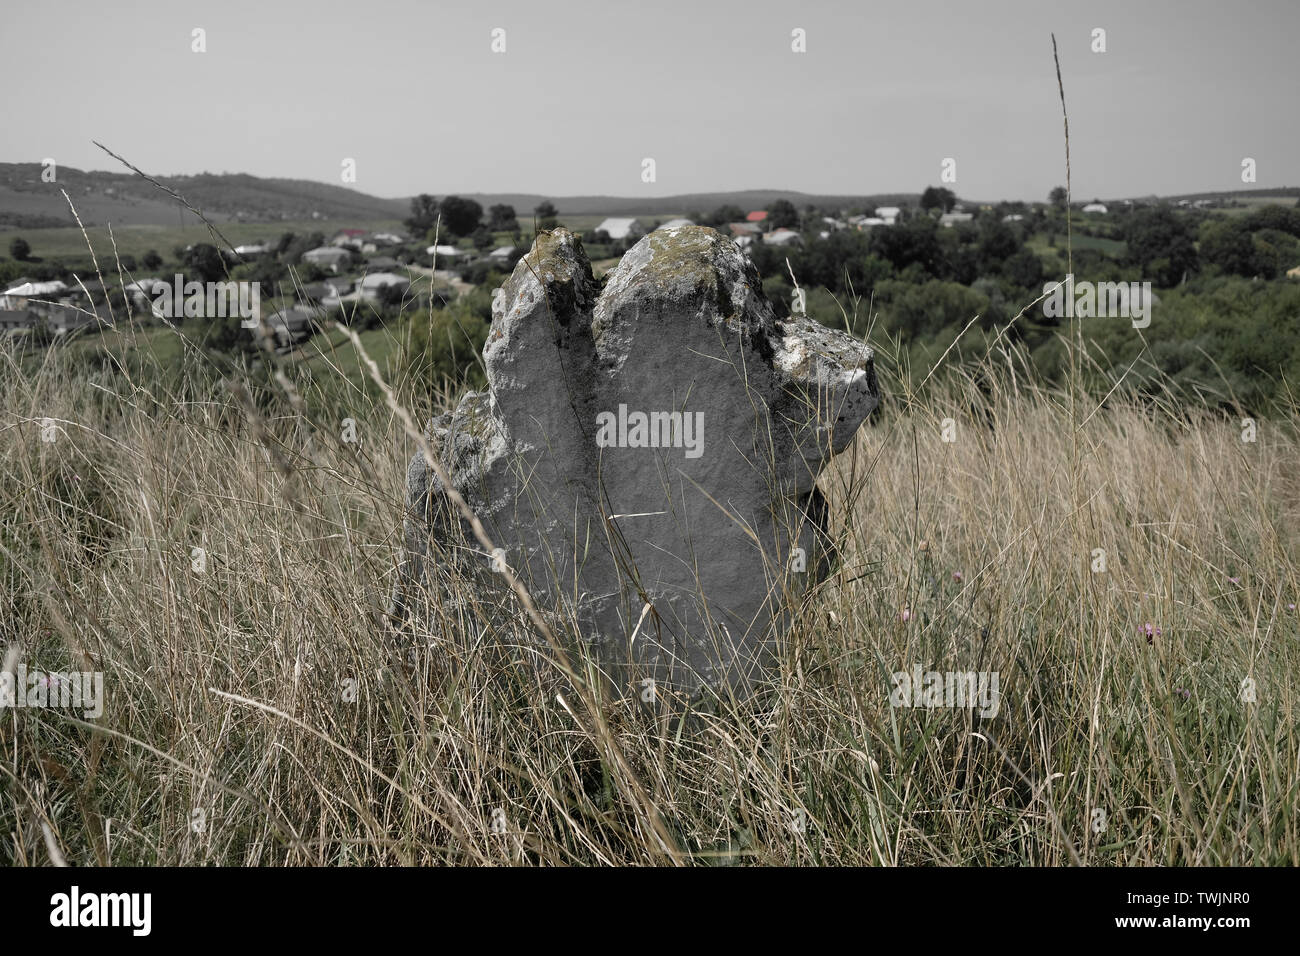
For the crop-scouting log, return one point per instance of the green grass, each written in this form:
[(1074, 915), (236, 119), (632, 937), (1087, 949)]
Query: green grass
[(1111, 247), (331, 356)]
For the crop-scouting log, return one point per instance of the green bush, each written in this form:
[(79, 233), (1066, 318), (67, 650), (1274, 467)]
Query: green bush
[(446, 352)]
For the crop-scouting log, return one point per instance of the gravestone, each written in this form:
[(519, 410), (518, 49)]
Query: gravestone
[(644, 457)]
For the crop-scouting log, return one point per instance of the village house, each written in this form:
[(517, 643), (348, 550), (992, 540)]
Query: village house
[(744, 228), (371, 284), (294, 324), (18, 296), (328, 292), (862, 223), (348, 237), (951, 219), (142, 292), (888, 214), (783, 237), (13, 321), (1095, 208), (328, 257), (446, 252), (63, 321), (380, 240)]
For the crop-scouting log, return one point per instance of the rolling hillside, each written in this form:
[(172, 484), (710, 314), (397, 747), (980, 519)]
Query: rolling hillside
[(125, 199)]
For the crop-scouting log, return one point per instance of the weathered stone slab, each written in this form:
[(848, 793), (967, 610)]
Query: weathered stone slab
[(654, 442)]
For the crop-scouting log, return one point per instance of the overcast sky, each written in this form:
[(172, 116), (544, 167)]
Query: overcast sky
[(712, 91)]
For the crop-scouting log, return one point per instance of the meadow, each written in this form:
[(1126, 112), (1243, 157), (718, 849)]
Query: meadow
[(201, 533)]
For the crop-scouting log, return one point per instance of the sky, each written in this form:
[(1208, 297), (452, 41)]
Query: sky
[(711, 90)]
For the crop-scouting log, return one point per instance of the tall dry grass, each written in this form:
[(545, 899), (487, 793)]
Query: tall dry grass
[(257, 711)]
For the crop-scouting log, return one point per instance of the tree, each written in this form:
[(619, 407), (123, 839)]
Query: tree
[(1228, 245), (782, 215), (915, 242), (447, 349), (1284, 218), (1275, 252), (424, 213), (547, 215), (937, 197), (1025, 269), (392, 295), (152, 260), (501, 218), (997, 244), (1058, 196), (725, 214), (460, 217), (204, 263), (482, 239), (19, 249), (1160, 244)]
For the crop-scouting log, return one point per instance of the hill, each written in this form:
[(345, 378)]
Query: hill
[(125, 199)]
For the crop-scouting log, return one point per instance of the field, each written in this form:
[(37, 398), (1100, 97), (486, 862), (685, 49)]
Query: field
[(1129, 569), (69, 243)]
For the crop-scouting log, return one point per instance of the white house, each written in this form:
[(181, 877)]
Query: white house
[(621, 228), (1096, 207), (889, 214), (445, 252), (252, 249), (951, 219), (501, 253), (371, 284), (145, 290), (16, 297), (292, 324), (783, 237), (328, 256)]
